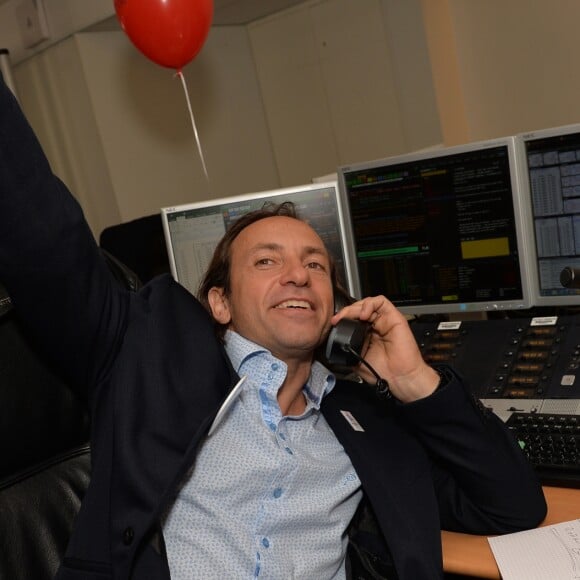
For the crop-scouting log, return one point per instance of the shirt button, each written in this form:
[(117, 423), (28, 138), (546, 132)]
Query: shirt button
[(277, 492), (265, 543), (128, 535), (289, 451), (275, 366)]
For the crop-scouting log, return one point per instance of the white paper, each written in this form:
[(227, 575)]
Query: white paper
[(547, 553)]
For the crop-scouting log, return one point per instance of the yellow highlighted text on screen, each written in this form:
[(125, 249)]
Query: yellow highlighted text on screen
[(485, 248)]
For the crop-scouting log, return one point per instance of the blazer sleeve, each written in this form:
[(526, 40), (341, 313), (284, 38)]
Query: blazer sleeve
[(49, 260), (483, 481)]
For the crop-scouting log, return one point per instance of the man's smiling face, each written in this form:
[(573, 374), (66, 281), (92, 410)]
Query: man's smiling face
[(281, 290)]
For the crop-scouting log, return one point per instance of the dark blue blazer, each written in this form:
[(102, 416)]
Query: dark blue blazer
[(155, 376)]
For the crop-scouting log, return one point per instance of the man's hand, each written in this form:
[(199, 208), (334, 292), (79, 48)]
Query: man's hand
[(391, 349)]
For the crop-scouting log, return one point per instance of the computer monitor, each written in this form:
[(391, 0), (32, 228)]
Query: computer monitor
[(439, 231), (552, 203), (193, 230)]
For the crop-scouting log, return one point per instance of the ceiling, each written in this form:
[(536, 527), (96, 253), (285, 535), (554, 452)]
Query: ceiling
[(226, 12), (242, 11), (66, 21), (235, 12)]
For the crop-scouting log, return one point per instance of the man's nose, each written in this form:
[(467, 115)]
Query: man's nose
[(295, 273)]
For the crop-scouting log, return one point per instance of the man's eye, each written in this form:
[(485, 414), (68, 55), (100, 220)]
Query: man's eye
[(264, 262), (316, 266)]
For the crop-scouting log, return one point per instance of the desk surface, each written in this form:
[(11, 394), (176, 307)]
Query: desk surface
[(472, 556)]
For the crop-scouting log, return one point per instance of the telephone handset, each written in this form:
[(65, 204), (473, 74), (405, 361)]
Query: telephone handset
[(344, 347), (345, 342)]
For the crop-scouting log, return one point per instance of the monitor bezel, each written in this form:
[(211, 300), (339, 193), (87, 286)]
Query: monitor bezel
[(520, 227), (564, 301), (281, 193)]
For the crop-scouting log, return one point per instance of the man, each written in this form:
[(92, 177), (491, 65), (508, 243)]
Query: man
[(229, 452)]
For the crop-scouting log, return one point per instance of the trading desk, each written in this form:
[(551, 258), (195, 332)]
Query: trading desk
[(471, 555)]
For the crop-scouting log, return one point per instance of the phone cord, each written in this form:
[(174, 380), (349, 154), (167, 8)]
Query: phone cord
[(382, 386)]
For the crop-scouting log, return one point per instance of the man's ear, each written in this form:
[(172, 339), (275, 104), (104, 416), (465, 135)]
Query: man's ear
[(219, 305)]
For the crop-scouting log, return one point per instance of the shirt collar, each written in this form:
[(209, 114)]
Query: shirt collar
[(240, 349)]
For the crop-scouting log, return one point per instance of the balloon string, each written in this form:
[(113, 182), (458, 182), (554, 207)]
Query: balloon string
[(180, 75)]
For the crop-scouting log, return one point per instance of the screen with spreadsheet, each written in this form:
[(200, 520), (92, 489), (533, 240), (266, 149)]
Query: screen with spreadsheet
[(193, 230), (552, 193)]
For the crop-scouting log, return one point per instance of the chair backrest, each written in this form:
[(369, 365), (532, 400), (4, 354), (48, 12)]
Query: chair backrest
[(38, 507), (139, 244)]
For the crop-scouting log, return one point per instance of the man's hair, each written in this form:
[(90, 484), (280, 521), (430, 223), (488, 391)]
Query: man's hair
[(218, 271)]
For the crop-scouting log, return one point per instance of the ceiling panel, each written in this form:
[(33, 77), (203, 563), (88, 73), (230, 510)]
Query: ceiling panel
[(235, 12), (226, 12)]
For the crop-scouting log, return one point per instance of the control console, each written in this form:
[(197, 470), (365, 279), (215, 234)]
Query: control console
[(512, 358)]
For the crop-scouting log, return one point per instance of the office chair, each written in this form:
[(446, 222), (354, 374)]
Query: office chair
[(139, 244), (44, 449)]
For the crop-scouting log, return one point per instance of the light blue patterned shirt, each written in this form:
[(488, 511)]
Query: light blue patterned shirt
[(269, 496)]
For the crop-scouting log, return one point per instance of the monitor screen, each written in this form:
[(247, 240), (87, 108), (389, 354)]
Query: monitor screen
[(552, 196), (192, 231), (439, 231)]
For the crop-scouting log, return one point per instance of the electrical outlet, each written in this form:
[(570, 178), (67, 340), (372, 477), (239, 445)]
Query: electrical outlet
[(32, 22)]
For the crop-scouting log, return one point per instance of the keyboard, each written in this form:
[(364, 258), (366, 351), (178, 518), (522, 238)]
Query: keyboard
[(551, 443)]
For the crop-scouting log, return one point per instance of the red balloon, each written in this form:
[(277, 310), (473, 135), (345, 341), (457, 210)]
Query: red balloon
[(169, 32)]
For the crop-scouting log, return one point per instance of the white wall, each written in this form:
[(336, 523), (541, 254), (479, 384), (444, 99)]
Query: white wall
[(412, 73), (331, 90), (63, 18), (117, 128), (293, 104), (276, 103), (517, 64), (146, 131), (54, 94)]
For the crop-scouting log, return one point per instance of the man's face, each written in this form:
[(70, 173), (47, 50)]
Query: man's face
[(281, 289)]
